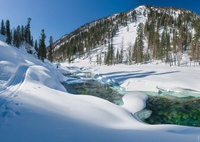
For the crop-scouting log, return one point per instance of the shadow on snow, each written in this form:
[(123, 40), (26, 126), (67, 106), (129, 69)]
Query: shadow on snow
[(120, 77)]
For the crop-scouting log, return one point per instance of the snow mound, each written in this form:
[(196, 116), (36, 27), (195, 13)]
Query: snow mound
[(134, 102)]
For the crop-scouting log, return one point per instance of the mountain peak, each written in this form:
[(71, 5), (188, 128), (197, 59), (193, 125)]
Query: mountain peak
[(140, 7), (161, 26)]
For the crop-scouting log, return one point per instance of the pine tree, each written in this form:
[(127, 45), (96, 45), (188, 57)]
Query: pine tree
[(135, 52), (197, 39), (112, 52), (107, 58), (8, 32), (168, 48), (175, 42), (3, 29), (180, 46), (156, 45), (163, 46), (27, 32), (22, 34), (42, 46), (50, 53), (140, 41), (36, 46), (197, 29), (17, 37)]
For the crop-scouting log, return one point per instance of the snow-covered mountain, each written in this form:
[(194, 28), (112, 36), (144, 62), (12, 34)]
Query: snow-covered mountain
[(118, 31)]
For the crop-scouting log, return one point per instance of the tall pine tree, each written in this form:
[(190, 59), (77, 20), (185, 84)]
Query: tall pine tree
[(8, 32), (3, 29), (36, 46), (140, 42), (168, 48), (197, 29), (42, 46), (27, 32), (197, 39), (50, 53)]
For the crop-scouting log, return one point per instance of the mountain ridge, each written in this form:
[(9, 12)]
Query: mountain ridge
[(100, 32)]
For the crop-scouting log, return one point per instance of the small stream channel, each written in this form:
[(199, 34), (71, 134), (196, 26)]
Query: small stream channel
[(95, 88), (161, 108)]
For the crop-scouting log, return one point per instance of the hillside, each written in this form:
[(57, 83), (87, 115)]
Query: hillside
[(167, 35)]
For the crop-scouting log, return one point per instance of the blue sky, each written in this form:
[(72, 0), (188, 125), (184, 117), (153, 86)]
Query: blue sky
[(59, 17)]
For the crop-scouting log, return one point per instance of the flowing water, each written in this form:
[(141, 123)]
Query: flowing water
[(172, 110), (162, 107), (95, 88)]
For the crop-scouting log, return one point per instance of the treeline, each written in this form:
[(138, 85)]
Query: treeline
[(166, 35), (91, 35), (168, 38), (171, 35), (21, 35)]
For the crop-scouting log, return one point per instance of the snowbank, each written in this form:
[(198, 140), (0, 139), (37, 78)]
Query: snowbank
[(134, 102)]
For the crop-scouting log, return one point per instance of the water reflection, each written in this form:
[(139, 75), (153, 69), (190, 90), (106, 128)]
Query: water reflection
[(162, 107), (94, 88), (172, 110)]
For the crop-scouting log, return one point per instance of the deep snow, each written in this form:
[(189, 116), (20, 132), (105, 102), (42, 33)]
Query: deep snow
[(34, 106)]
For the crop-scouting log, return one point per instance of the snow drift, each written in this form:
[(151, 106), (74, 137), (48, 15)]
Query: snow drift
[(34, 106)]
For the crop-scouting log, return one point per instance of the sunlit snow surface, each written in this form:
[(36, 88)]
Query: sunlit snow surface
[(34, 106)]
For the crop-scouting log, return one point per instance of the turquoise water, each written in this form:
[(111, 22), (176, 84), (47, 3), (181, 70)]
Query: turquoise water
[(172, 110), (182, 93), (94, 88), (162, 107)]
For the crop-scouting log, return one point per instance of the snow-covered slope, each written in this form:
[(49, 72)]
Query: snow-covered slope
[(91, 41), (34, 106)]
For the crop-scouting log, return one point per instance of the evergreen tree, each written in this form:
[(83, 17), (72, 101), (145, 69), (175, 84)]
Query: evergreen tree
[(140, 41), (27, 32), (162, 47), (156, 46), (32, 41), (42, 46), (22, 35), (107, 58), (8, 32), (135, 52), (50, 53), (175, 42), (197, 29), (197, 39), (168, 48), (3, 29), (112, 52), (17, 37), (36, 46)]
